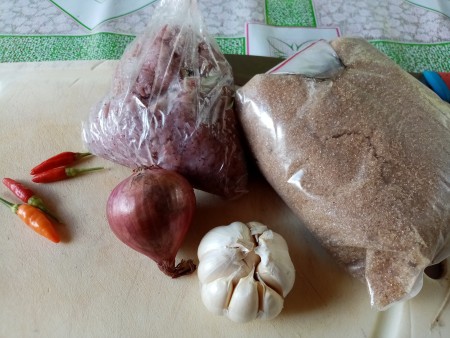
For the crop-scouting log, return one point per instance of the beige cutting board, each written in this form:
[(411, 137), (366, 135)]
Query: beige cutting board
[(92, 285)]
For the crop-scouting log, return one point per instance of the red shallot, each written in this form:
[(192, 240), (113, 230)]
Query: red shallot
[(151, 212)]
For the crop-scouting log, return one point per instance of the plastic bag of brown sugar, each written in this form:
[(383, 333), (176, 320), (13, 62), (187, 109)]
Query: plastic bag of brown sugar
[(362, 157), (171, 105)]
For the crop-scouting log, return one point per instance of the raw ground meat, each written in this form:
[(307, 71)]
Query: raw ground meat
[(171, 105)]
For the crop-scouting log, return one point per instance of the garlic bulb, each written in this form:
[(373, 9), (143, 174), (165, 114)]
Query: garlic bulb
[(245, 271)]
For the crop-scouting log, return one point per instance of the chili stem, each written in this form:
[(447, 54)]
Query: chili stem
[(37, 202), (80, 155), (10, 205), (71, 172)]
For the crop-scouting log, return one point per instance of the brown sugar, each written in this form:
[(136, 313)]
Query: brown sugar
[(363, 160)]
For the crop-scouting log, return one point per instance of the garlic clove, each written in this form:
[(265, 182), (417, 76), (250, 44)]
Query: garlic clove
[(237, 234), (216, 295), (270, 302), (244, 302), (276, 268)]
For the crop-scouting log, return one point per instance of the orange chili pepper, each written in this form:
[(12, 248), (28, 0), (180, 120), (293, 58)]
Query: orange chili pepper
[(35, 219)]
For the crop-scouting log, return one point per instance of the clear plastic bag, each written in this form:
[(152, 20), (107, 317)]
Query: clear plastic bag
[(171, 105), (363, 159)]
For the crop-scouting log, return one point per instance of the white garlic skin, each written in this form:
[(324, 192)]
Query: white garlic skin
[(245, 271)]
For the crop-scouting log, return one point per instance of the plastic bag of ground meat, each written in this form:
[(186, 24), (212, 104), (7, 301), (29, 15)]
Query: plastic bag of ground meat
[(360, 151), (171, 105)]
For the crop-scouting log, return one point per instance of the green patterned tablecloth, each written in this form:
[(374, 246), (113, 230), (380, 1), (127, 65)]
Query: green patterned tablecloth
[(415, 34)]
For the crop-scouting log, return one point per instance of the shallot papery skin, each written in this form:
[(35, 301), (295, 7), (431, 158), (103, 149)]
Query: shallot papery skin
[(151, 212)]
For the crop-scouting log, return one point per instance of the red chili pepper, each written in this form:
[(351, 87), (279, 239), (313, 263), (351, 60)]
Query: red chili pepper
[(35, 219), (59, 160), (26, 195), (61, 173)]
